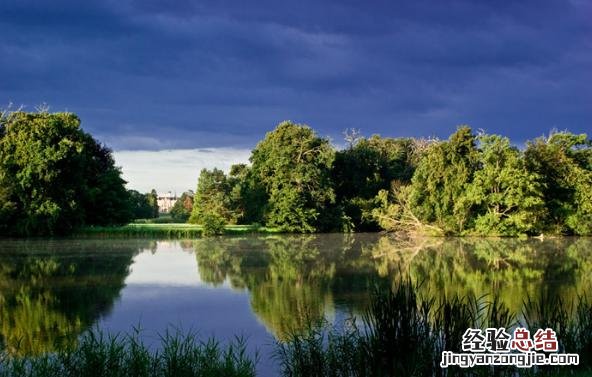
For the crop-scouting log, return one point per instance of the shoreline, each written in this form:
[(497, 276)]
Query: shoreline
[(185, 230)]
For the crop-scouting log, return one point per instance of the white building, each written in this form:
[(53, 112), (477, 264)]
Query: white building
[(166, 202)]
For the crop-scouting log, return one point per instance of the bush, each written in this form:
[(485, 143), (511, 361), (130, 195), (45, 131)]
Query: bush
[(213, 224)]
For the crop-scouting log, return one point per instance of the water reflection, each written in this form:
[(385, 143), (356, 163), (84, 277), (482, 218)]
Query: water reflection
[(294, 279), (291, 279), (512, 269), (52, 291)]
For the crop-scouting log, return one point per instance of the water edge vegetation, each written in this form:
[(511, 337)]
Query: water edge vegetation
[(169, 230)]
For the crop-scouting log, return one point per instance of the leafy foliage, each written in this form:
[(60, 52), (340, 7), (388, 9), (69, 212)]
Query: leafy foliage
[(212, 198), (506, 197), (182, 208), (247, 195), (54, 177), (143, 205), (483, 185), (564, 164), (438, 187), (366, 167), (152, 198), (293, 165), (213, 224)]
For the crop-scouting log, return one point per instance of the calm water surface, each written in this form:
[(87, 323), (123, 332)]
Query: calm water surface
[(259, 287)]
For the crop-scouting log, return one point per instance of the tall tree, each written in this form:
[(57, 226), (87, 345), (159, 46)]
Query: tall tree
[(139, 205), (212, 198), (293, 164), (248, 198), (183, 207), (54, 177), (152, 198), (437, 192), (366, 167), (104, 197), (507, 198), (564, 163)]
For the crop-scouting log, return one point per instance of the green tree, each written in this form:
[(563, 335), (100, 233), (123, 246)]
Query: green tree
[(293, 164), (506, 196), (212, 199), (183, 207), (152, 198), (248, 199), (104, 198), (54, 177), (139, 205), (367, 166), (564, 163), (437, 192)]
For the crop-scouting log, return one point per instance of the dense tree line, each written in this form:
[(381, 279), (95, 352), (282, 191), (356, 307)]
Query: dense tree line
[(482, 185), (54, 178), (470, 184), (298, 182)]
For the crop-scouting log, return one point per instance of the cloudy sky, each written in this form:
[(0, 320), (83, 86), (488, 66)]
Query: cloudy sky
[(173, 78)]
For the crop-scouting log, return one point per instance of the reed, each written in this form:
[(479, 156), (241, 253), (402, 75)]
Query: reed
[(402, 334), (100, 355)]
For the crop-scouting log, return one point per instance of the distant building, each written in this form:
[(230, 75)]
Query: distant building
[(166, 202)]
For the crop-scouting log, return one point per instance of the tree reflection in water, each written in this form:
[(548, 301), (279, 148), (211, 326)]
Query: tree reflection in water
[(51, 291), (293, 280)]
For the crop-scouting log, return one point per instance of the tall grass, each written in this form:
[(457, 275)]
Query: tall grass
[(100, 355), (144, 231), (172, 231), (402, 334)]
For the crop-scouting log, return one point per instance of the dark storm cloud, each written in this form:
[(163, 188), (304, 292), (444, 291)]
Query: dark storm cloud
[(157, 74)]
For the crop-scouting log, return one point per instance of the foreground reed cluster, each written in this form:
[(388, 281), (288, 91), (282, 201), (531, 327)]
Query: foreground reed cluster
[(100, 355), (402, 334)]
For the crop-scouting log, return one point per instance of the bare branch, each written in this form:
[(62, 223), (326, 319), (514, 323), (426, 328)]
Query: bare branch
[(43, 108), (352, 136)]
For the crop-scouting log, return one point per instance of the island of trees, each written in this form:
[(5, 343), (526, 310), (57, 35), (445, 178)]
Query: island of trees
[(55, 178)]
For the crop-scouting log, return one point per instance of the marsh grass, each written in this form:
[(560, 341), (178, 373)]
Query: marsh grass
[(100, 355), (170, 231), (402, 334), (162, 219)]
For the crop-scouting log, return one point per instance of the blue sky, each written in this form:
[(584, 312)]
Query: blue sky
[(167, 75)]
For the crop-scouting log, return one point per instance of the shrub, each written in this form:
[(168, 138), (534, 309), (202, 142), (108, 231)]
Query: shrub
[(213, 224)]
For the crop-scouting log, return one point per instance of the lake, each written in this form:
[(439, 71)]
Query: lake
[(260, 287)]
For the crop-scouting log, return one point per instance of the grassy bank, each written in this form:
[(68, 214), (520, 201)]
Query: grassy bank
[(168, 230)]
